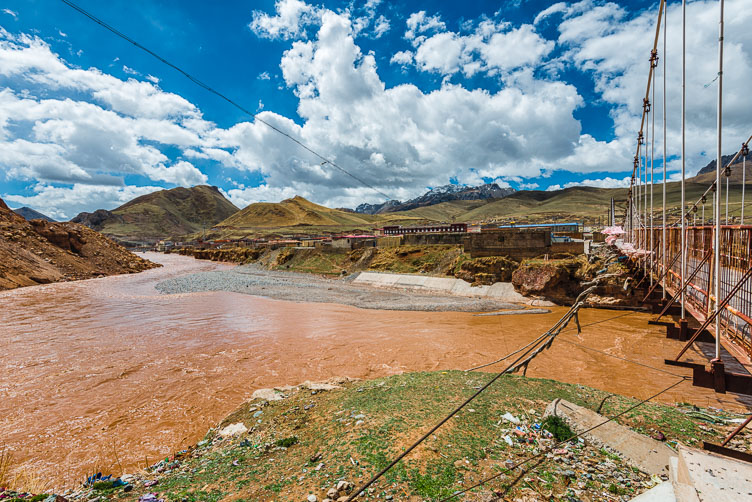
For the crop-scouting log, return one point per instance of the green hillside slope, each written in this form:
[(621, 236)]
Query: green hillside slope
[(166, 214)]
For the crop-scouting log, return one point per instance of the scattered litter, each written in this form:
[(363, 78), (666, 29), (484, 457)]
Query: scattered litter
[(149, 497), (658, 436), (510, 418)]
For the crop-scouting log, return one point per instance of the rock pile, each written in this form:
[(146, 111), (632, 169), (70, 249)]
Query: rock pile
[(39, 252), (338, 493)]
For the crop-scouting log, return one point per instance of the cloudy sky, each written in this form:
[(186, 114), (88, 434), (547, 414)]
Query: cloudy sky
[(530, 94)]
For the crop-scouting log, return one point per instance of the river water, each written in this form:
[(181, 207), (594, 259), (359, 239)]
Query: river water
[(107, 371)]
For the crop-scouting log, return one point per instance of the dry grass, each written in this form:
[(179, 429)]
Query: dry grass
[(26, 479), (6, 463), (20, 478)]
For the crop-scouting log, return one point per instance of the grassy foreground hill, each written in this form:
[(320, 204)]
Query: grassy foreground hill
[(291, 443), (165, 214)]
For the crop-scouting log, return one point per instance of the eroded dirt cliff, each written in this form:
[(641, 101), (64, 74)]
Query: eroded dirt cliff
[(39, 252)]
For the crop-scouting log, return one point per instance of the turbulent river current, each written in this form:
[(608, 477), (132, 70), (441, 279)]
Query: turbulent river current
[(107, 372)]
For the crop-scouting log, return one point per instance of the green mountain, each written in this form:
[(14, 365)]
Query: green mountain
[(165, 214), (300, 216)]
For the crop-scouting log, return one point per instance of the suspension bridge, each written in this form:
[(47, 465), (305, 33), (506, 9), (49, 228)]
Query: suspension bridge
[(701, 275)]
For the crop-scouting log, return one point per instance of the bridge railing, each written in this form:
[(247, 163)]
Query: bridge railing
[(735, 258)]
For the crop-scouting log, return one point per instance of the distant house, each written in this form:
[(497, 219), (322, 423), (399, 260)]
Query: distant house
[(429, 229), (354, 241), (551, 227)]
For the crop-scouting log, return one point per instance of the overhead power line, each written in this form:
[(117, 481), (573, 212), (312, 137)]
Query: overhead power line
[(234, 103)]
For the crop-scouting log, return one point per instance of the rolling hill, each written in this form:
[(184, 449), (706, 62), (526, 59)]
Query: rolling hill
[(300, 216), (165, 214)]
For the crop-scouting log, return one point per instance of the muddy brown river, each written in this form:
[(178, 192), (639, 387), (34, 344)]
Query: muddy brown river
[(106, 370)]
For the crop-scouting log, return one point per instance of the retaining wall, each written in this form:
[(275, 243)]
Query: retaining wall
[(503, 291)]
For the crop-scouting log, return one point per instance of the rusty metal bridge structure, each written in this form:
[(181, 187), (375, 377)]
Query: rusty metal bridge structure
[(696, 278)]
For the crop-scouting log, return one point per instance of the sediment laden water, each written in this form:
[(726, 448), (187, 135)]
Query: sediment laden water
[(106, 373)]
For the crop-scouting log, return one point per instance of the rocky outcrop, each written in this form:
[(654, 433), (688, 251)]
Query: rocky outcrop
[(550, 281), (487, 270), (561, 280), (97, 219)]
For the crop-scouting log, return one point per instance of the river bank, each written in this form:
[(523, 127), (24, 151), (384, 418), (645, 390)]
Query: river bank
[(110, 367), (544, 280), (255, 280), (322, 440)]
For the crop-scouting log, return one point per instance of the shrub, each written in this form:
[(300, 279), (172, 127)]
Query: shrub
[(287, 442), (558, 427)]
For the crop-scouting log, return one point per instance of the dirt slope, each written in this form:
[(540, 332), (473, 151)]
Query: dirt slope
[(39, 252)]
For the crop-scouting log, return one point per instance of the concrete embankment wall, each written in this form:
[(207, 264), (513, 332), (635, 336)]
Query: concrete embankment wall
[(503, 291)]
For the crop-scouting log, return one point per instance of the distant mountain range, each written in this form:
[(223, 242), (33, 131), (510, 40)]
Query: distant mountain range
[(438, 195), (165, 214), (31, 214), (188, 213), (725, 159)]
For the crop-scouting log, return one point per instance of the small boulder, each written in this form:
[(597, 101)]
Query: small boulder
[(268, 395), (344, 486), (233, 430)]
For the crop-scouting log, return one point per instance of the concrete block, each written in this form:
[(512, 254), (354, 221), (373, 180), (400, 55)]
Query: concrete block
[(715, 478), (646, 454), (505, 291), (663, 492)]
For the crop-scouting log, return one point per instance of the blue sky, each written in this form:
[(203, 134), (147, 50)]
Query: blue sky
[(528, 94)]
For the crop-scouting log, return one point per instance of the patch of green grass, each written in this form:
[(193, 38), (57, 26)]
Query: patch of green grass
[(437, 482), (617, 490), (610, 455), (287, 442), (558, 427)]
